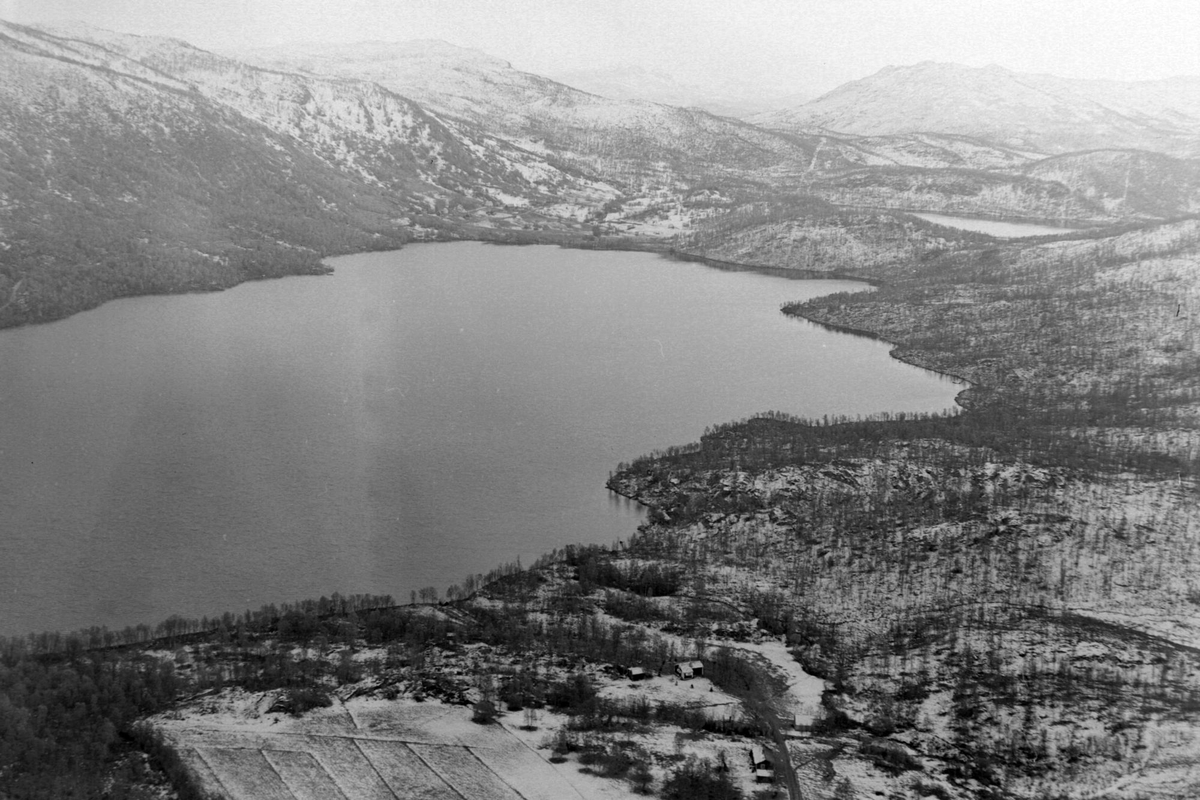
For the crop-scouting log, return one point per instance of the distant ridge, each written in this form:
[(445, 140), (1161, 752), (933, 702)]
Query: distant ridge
[(1038, 113), (731, 98), (594, 132), (134, 164)]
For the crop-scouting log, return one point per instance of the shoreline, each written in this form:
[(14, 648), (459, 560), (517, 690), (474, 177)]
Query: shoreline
[(804, 275)]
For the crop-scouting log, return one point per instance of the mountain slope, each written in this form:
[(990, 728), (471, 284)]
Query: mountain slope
[(934, 150), (1039, 113), (1131, 182), (731, 98), (131, 165), (114, 180), (619, 137), (354, 125)]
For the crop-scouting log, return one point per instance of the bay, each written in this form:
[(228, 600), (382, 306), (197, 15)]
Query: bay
[(416, 416)]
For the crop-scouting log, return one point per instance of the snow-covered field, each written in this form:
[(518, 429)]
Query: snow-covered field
[(368, 748)]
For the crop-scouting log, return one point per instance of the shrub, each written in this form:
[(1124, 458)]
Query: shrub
[(925, 789), (164, 757), (614, 761), (562, 743), (640, 777), (576, 695), (298, 701), (484, 712), (912, 691), (697, 779), (832, 722), (889, 756)]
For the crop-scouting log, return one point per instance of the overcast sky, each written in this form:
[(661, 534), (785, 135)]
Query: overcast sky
[(811, 45)]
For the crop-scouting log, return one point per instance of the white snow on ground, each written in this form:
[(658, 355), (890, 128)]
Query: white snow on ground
[(667, 689), (370, 748), (803, 697), (388, 749), (508, 199)]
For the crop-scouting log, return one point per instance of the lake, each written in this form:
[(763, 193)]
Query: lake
[(992, 227), (417, 416)]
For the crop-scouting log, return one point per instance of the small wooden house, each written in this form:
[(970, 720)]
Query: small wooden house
[(686, 670), (637, 674), (762, 766)]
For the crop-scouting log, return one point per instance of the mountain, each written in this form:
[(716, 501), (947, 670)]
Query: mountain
[(131, 165), (629, 139), (116, 179), (137, 164), (728, 98), (1038, 113), (134, 164), (355, 125)]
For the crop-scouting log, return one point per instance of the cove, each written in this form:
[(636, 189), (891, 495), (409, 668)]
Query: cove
[(416, 416)]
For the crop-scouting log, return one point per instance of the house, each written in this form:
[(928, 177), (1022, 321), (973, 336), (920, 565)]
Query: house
[(762, 766), (686, 670), (637, 674)]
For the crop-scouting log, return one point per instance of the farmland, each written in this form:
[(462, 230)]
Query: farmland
[(380, 749), (427, 751)]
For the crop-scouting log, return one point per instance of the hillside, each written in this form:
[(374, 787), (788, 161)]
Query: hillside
[(931, 150), (356, 126), (729, 98), (967, 192), (136, 165), (1036, 113), (1133, 182), (118, 181), (625, 139)]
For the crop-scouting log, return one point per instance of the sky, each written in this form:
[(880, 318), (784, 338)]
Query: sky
[(805, 46)]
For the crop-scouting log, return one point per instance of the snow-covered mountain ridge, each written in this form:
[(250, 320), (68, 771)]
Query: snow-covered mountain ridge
[(116, 138), (731, 97), (601, 132), (1040, 113)]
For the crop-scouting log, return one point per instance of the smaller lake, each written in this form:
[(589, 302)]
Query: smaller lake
[(992, 227), (412, 418)]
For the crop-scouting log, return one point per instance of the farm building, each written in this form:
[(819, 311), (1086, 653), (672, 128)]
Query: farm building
[(686, 670), (764, 768), (637, 674)]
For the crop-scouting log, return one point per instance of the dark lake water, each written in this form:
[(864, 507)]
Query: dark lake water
[(415, 417)]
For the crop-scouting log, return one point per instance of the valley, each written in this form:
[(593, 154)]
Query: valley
[(999, 601)]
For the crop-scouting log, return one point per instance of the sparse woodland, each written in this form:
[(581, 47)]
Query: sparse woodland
[(1014, 588)]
